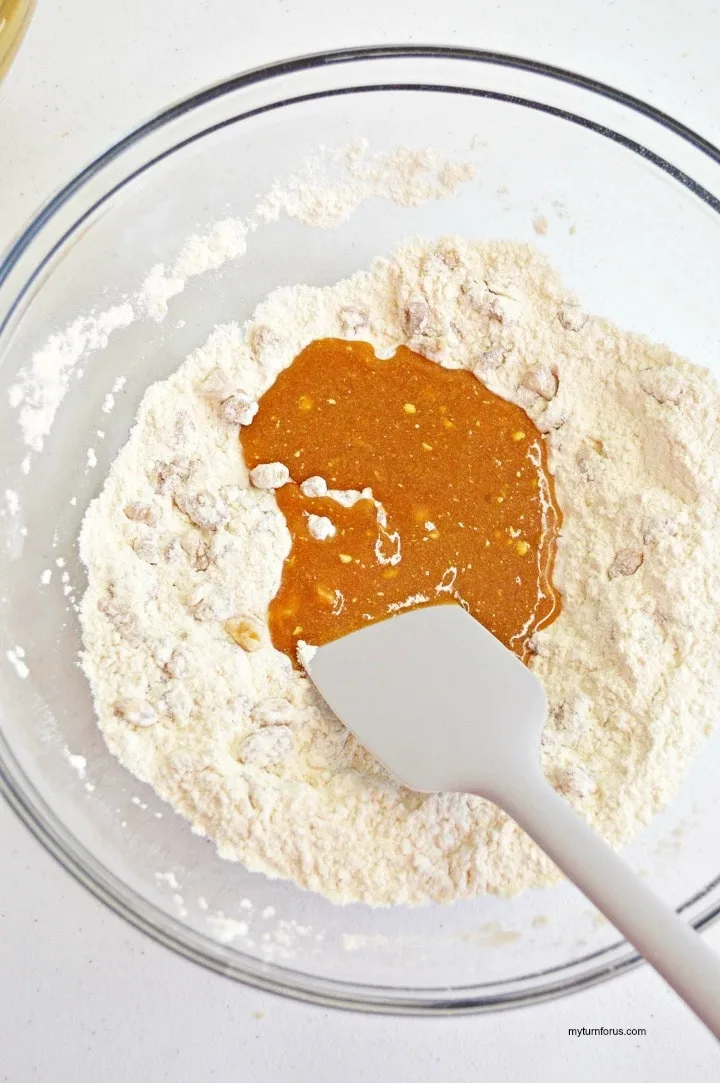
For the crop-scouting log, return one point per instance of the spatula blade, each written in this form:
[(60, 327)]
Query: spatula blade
[(435, 697)]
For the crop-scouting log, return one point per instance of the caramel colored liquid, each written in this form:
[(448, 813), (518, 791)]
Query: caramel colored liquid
[(460, 474)]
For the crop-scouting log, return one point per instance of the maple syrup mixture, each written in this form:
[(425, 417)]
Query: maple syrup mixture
[(457, 504)]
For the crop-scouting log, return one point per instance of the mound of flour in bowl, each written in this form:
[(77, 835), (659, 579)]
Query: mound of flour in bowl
[(184, 555)]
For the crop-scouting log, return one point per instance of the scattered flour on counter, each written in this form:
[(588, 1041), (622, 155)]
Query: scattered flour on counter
[(184, 555)]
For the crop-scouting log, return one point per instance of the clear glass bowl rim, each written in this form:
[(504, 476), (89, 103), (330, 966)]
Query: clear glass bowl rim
[(37, 816)]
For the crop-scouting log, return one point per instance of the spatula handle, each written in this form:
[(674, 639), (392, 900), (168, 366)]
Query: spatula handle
[(667, 942)]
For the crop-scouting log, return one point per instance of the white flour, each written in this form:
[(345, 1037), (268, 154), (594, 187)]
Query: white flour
[(325, 190), (46, 380), (184, 555)]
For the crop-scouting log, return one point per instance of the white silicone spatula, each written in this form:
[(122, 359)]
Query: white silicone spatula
[(445, 706)]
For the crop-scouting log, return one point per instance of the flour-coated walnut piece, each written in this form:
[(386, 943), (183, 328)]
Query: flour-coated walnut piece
[(267, 747), (238, 409), (247, 632), (504, 310), (572, 316), (656, 527), (178, 702), (573, 780), (664, 383), (572, 715), (167, 474), (119, 614), (162, 651), (590, 463), (542, 380), (264, 341), (147, 549), (136, 712), (215, 606), (216, 386), (553, 417), (449, 254), (173, 552), (487, 361), (141, 512), (203, 508), (197, 551), (417, 316), (177, 665), (274, 711)]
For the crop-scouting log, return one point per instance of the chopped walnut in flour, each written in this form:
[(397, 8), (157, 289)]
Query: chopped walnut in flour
[(626, 562), (573, 780), (147, 549), (238, 409), (140, 512), (267, 747), (203, 508), (486, 361), (136, 712), (542, 380), (417, 316), (197, 551), (658, 526), (177, 665), (264, 342), (246, 631), (217, 386), (273, 711), (120, 615), (665, 384), (572, 317), (166, 475)]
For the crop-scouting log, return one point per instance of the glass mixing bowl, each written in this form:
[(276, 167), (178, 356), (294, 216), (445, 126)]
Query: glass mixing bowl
[(633, 226)]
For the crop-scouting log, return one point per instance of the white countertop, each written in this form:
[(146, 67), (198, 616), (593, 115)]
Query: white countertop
[(84, 997)]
